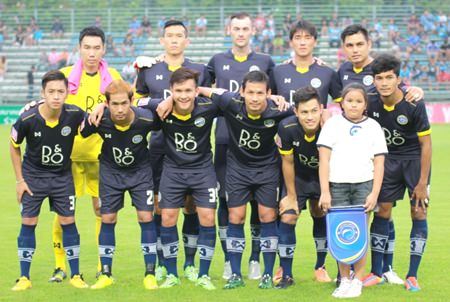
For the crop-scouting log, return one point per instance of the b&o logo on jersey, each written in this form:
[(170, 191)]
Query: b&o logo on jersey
[(185, 143), (246, 140), (137, 139), (368, 80), (123, 158), (347, 232), (65, 131), (253, 68), (402, 120), (52, 157), (269, 123), (316, 82), (200, 122)]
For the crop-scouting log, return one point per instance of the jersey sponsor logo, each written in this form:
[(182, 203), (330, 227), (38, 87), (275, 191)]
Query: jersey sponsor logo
[(269, 123), (347, 232), (186, 143), (226, 67), (248, 141), (354, 130), (316, 82), (36, 134), (368, 80), (137, 139), (312, 162), (52, 156), (254, 68), (65, 131), (287, 80), (159, 77), (402, 120), (200, 122), (123, 158)]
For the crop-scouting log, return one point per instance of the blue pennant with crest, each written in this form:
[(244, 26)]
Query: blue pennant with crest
[(347, 233)]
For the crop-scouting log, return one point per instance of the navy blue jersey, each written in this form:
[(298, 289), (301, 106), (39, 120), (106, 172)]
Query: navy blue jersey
[(251, 143), (402, 123), (287, 78), (187, 138), (49, 145), (124, 147), (294, 141), (348, 74), (154, 82), (228, 72)]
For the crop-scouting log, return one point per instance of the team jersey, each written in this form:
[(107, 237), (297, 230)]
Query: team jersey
[(228, 71), (293, 140), (154, 82), (187, 137), (87, 98), (349, 74), (287, 78), (403, 124), (124, 147), (49, 145), (251, 142)]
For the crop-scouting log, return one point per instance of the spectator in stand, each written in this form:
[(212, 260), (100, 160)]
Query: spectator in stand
[(346, 21), (3, 67), (38, 34), (405, 74), (324, 27), (187, 23), (287, 23), (63, 58), (57, 28), (53, 60), (30, 82), (441, 18), (28, 36), (413, 46), (128, 72), (19, 35), (442, 31), (427, 21), (128, 45), (97, 22), (364, 23), (3, 30), (111, 46), (278, 44), (413, 23), (270, 22), (432, 52), (134, 27), (259, 22), (43, 62), (431, 74), (443, 73), (201, 25), (226, 25), (74, 56), (334, 35), (146, 26), (393, 31), (340, 57), (33, 23), (416, 71), (161, 23), (267, 36), (444, 52), (375, 36)]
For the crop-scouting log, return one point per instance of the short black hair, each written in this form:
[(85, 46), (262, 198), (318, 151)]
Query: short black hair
[(54, 75), (240, 16), (174, 23), (355, 86), (182, 75), (305, 26), (353, 30), (92, 31), (305, 94), (386, 62), (256, 76)]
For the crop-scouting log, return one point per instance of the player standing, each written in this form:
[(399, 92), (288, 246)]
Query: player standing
[(49, 130), (227, 70), (408, 164)]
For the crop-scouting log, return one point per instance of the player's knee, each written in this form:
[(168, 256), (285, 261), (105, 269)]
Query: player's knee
[(418, 214), (315, 210), (66, 219), (236, 216), (267, 216), (289, 218), (144, 216), (30, 220), (109, 218), (384, 210)]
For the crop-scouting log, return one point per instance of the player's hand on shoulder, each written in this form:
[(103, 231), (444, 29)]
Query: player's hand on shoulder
[(147, 62), (319, 61), (414, 94), (30, 105), (280, 101), (165, 108), (96, 116), (288, 203), (21, 188)]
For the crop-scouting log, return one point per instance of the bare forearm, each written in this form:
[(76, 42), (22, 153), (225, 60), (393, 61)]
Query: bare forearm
[(16, 160), (378, 172), (425, 159), (289, 174)]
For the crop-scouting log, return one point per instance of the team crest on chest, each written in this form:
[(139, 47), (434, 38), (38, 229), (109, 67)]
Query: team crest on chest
[(65, 131), (200, 122), (137, 139), (316, 82), (253, 68), (368, 80), (402, 120), (269, 123)]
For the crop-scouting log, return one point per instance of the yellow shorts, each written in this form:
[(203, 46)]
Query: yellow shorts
[(85, 178)]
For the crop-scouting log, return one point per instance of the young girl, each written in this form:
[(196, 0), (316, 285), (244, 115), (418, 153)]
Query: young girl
[(351, 165)]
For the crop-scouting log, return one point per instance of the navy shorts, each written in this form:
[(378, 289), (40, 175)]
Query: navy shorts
[(59, 190), (156, 161), (399, 175), (350, 194), (306, 189), (220, 165), (243, 185), (176, 185), (114, 184)]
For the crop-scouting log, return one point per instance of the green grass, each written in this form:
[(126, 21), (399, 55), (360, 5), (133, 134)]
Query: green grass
[(128, 261)]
